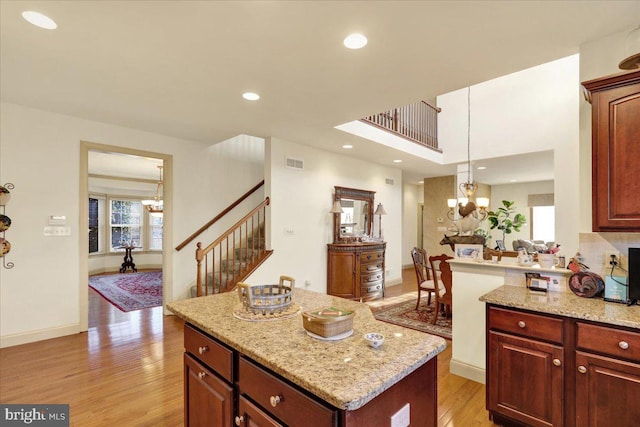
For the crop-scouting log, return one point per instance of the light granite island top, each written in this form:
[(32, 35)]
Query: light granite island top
[(565, 304), (345, 373)]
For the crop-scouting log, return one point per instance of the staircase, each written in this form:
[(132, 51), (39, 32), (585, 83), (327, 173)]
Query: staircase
[(233, 256)]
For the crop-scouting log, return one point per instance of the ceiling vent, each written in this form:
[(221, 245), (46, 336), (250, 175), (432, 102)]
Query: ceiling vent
[(294, 163), (389, 181)]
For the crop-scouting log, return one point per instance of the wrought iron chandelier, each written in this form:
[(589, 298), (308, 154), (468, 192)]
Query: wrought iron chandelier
[(155, 206)]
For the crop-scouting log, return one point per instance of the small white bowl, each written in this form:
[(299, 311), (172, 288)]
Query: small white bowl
[(375, 339)]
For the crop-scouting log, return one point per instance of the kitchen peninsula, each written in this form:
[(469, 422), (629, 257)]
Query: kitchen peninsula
[(272, 372)]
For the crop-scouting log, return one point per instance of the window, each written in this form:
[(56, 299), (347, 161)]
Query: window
[(155, 232), (543, 223), (93, 225), (126, 223)]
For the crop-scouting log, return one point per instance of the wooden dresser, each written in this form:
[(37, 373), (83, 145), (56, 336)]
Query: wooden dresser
[(356, 270)]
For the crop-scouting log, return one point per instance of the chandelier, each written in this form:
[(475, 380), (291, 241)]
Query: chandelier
[(466, 205), (155, 206)]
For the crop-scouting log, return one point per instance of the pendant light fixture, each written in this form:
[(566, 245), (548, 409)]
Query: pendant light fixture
[(631, 51), (155, 206)]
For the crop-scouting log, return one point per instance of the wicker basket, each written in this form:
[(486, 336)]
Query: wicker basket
[(266, 299), (328, 321)]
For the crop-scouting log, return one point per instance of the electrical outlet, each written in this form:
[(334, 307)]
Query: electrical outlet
[(611, 258), (402, 418)]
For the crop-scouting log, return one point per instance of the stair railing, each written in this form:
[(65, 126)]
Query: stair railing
[(234, 255), (416, 122), (220, 215)]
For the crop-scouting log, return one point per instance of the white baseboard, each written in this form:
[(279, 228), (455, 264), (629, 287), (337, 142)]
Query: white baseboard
[(397, 281), (470, 372), (42, 334)]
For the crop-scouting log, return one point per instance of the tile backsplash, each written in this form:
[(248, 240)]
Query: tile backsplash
[(594, 246)]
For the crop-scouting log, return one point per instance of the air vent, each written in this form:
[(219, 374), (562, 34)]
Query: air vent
[(389, 181), (294, 163)]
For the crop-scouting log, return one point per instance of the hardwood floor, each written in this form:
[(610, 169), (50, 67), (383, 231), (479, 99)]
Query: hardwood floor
[(126, 370)]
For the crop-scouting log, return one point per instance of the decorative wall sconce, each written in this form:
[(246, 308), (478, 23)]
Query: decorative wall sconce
[(5, 223)]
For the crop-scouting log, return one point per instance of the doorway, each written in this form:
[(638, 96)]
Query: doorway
[(109, 153)]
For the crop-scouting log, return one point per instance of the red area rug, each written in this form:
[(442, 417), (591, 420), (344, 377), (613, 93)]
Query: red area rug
[(405, 314), (130, 291)]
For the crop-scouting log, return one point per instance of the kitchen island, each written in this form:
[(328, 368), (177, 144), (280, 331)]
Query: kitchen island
[(268, 366)]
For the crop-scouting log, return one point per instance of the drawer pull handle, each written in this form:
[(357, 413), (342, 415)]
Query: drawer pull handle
[(582, 369), (522, 324), (557, 362), (201, 375), (239, 420), (203, 349), (623, 345), (274, 400)]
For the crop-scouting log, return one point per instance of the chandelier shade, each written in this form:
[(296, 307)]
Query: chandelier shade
[(155, 206)]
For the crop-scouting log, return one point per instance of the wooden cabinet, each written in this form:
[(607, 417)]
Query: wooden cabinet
[(525, 376), (356, 271), (208, 399), (615, 151), (548, 370)]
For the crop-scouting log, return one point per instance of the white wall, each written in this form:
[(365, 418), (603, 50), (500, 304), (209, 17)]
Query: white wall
[(301, 200), (39, 153), (536, 109)]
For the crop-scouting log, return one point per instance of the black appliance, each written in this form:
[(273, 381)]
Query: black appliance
[(634, 274)]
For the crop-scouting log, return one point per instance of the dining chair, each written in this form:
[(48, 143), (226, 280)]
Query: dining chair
[(423, 274), (443, 279)]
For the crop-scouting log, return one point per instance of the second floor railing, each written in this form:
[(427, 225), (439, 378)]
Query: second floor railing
[(417, 122)]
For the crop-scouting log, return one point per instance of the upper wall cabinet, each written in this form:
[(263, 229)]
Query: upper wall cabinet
[(615, 102)]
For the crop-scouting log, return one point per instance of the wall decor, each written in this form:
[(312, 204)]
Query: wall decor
[(5, 223)]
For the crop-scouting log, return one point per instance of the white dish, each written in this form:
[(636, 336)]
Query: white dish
[(333, 338), (375, 339)]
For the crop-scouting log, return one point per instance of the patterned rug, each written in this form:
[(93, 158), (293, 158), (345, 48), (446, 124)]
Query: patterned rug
[(130, 291), (405, 314)]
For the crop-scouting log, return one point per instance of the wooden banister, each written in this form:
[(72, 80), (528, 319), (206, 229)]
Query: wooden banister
[(220, 215)]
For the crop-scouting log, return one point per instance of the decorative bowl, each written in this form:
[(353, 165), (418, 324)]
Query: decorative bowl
[(374, 339)]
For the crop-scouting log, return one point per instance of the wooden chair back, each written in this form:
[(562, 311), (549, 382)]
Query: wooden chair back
[(440, 265), (419, 257)]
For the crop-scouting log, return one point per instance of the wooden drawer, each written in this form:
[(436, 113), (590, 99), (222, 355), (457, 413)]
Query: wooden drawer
[(610, 341), (527, 324), (292, 407), (373, 256), (216, 356), (367, 279), (371, 268), (371, 288)]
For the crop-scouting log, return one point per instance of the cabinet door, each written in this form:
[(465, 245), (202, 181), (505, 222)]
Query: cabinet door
[(208, 400), (616, 155), (607, 392), (341, 275), (525, 380), (249, 415)]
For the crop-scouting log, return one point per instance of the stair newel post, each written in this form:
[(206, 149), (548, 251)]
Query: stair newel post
[(199, 256)]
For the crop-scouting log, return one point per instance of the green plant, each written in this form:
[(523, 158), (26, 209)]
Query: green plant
[(484, 233), (506, 219)]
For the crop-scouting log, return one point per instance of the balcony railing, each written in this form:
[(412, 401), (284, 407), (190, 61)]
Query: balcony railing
[(417, 122)]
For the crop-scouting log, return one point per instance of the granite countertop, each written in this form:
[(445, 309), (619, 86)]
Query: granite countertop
[(565, 304), (345, 373)]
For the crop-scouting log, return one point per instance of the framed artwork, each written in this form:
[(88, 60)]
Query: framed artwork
[(469, 251), (500, 245)]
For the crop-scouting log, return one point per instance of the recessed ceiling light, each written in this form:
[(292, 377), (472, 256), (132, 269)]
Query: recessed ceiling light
[(251, 96), (513, 180), (347, 146), (355, 41), (397, 161), (420, 182), (39, 20), (481, 168)]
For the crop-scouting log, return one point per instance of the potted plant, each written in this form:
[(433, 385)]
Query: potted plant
[(506, 219)]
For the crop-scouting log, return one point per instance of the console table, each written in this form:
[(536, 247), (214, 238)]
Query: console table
[(128, 258)]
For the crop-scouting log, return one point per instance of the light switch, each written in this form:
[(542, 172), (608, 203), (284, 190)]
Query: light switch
[(57, 231)]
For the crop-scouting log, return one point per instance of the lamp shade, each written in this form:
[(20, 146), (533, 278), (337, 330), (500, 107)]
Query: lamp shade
[(336, 208), (452, 203), (380, 210), (483, 202)]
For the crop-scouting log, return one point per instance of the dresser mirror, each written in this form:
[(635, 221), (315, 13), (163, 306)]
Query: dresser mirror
[(353, 224)]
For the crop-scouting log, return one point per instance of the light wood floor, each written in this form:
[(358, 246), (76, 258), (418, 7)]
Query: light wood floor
[(126, 370)]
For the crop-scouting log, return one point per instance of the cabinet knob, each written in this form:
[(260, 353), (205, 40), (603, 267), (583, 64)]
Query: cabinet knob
[(582, 369), (274, 400), (239, 420), (557, 362), (623, 345), (203, 349), (522, 324), (202, 374)]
